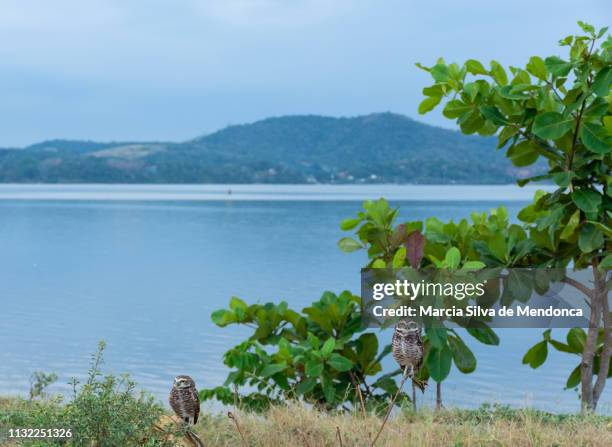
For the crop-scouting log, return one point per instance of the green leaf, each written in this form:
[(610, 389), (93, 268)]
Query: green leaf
[(452, 258), (399, 257), (349, 224), (462, 356), (576, 339), (475, 67), (429, 104), (313, 368), (328, 390), (436, 336), (456, 108), (574, 378), (498, 73), (590, 238), (595, 138), (223, 317), (602, 82), (485, 335), (523, 154), (306, 386), (570, 226), (537, 67), (587, 200), (473, 265), (492, 113), (379, 264), (606, 263), (328, 347), (339, 363), (439, 363), (536, 355), (236, 303), (348, 245), (552, 125), (273, 368), (557, 66)]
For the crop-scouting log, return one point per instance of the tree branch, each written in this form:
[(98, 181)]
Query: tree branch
[(578, 285)]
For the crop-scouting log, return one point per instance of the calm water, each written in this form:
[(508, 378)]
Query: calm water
[(143, 267)]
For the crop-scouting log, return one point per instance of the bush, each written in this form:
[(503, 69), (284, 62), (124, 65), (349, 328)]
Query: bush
[(321, 355), (106, 411)]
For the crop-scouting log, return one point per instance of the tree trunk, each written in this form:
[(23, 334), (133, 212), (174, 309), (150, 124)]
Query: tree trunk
[(596, 299), (438, 396), (601, 292)]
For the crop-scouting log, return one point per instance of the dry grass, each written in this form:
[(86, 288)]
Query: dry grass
[(296, 425)]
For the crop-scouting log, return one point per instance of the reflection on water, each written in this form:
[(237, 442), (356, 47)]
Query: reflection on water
[(145, 276)]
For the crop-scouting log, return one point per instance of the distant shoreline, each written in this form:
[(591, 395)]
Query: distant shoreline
[(266, 192)]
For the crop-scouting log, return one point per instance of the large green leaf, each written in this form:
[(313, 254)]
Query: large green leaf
[(552, 125), (574, 378), (475, 67), (313, 368), (587, 200), (328, 347), (439, 362), (273, 368), (557, 66), (537, 67), (339, 362), (456, 108), (223, 317), (602, 81), (367, 348), (484, 335), (462, 355), (523, 154), (595, 138), (452, 258), (590, 238), (536, 355), (429, 104), (307, 385), (576, 339)]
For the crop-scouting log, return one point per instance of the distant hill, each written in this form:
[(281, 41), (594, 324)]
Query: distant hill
[(377, 148)]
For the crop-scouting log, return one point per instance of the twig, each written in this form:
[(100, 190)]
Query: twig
[(359, 394), (235, 421), (339, 436), (391, 406)]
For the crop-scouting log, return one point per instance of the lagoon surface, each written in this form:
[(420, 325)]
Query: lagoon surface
[(143, 267)]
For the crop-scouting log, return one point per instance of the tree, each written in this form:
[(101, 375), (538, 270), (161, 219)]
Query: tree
[(560, 110)]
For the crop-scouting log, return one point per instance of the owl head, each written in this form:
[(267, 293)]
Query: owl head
[(183, 382), (406, 327)]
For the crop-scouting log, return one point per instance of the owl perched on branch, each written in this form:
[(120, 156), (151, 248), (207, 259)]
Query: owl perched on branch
[(407, 349), (184, 399)]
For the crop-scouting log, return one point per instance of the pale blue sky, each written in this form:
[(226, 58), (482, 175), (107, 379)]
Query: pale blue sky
[(174, 69)]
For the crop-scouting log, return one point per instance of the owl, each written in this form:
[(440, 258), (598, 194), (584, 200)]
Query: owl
[(184, 399), (407, 349)]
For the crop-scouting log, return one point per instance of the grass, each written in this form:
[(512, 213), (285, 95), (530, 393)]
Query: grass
[(296, 425)]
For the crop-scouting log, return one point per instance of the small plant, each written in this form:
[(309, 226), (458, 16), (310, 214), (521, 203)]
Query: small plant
[(322, 356), (106, 411), (39, 381)]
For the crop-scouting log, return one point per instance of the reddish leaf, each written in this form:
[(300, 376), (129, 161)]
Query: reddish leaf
[(415, 245)]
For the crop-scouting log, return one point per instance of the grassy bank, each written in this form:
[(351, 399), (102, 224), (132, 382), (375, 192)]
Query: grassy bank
[(295, 425)]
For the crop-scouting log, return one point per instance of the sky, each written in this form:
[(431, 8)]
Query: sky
[(134, 70)]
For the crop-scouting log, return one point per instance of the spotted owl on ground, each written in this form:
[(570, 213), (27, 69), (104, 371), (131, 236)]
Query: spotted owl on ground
[(184, 399), (408, 349)]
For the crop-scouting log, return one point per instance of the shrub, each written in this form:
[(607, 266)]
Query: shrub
[(322, 356)]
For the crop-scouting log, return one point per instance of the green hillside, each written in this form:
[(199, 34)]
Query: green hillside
[(377, 148)]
